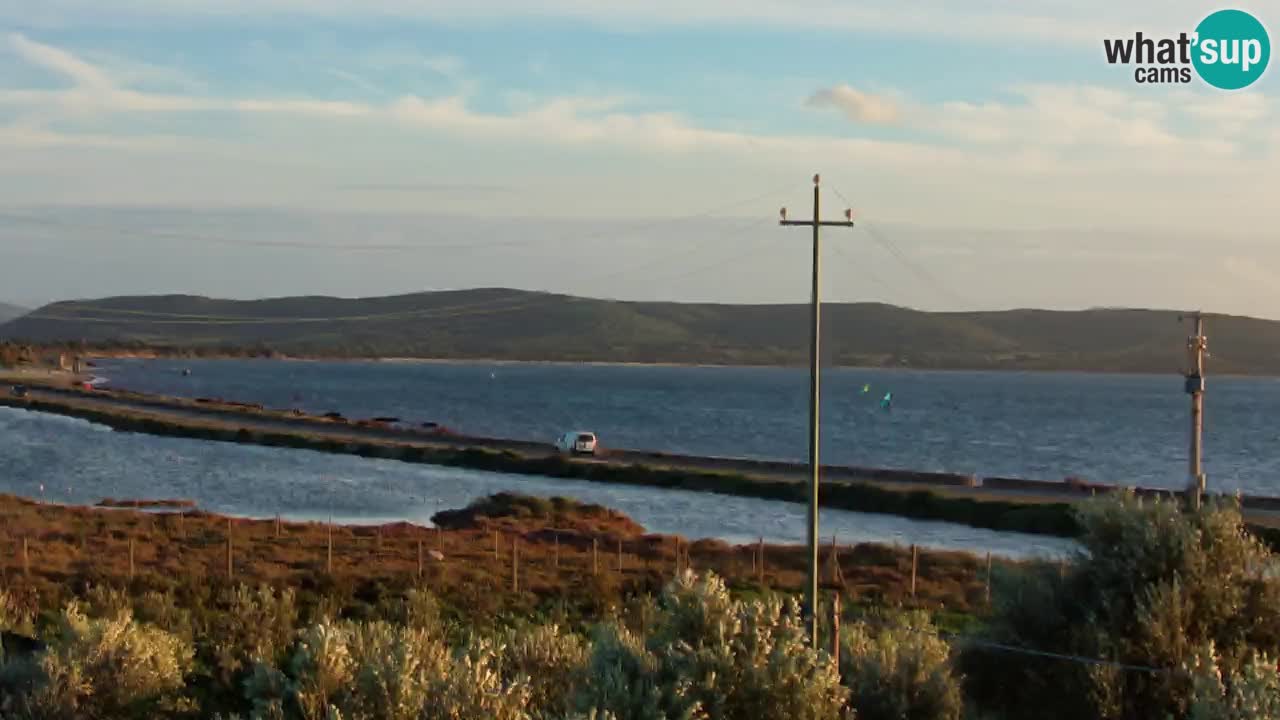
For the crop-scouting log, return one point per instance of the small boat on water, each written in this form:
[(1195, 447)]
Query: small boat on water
[(186, 372)]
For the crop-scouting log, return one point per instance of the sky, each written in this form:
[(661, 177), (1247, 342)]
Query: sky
[(992, 158)]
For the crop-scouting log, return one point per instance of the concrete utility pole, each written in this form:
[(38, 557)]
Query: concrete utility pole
[(815, 312), (1196, 346)]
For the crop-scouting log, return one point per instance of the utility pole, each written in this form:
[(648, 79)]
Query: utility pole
[(1196, 346), (815, 313)]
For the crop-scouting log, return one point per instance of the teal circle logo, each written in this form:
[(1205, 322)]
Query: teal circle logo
[(1232, 49)]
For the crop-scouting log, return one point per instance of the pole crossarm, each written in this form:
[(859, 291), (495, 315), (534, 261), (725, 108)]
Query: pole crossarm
[(815, 334)]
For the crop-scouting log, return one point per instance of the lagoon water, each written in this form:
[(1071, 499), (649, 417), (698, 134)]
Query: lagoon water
[(1123, 429), (67, 460)]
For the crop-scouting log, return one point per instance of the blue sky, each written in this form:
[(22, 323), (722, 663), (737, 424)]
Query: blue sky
[(988, 142)]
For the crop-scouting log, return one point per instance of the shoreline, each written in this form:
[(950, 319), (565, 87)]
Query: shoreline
[(391, 359)]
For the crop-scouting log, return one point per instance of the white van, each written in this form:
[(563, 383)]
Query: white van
[(579, 443)]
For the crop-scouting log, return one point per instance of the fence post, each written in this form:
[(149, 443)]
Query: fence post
[(26, 558), (515, 564), (182, 524), (440, 538), (555, 557), (130, 558), (328, 561), (835, 628), (835, 559), (988, 579), (377, 543), (278, 528), (595, 567), (419, 559), (677, 556), (619, 555), (761, 552), (915, 559), (495, 544), (230, 569)]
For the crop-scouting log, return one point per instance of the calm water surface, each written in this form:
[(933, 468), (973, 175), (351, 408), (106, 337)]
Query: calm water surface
[(1113, 428), (67, 460)]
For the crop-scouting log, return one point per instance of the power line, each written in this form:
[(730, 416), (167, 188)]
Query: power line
[(385, 247), (868, 275), (919, 270), (488, 307), (161, 318), (982, 642)]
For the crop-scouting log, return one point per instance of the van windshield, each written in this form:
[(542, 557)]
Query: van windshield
[(586, 438)]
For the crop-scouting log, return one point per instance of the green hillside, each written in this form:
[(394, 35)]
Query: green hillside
[(519, 325)]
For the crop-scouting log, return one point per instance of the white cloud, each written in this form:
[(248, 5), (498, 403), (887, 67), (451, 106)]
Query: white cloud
[(856, 105), (73, 68), (1044, 154)]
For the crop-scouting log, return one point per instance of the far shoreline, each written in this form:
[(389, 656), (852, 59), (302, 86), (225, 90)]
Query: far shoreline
[(399, 360)]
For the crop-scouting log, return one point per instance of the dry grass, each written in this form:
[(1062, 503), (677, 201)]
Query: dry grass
[(69, 548)]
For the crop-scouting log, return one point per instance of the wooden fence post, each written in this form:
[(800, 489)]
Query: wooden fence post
[(761, 552), (619, 555), (555, 557), (279, 529), (835, 627), (515, 564), (328, 562), (230, 568), (988, 579), (26, 558), (595, 567), (130, 558), (419, 559), (915, 559), (495, 544)]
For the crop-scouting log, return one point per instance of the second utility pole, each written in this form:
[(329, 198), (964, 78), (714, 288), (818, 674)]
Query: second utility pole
[(815, 312), (1196, 345)]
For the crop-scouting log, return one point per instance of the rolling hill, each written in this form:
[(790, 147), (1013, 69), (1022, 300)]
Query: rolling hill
[(519, 325)]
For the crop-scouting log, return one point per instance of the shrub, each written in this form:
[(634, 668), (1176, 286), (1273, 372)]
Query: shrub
[(257, 625), (1150, 587), (711, 656), (551, 662), (1252, 694), (14, 617), (896, 666), (623, 682), (473, 687), (109, 667)]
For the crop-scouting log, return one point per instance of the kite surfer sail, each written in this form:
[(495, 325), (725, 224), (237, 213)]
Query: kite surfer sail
[(887, 402)]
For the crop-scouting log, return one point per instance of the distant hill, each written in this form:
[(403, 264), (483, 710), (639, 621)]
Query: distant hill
[(9, 312), (519, 325)]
